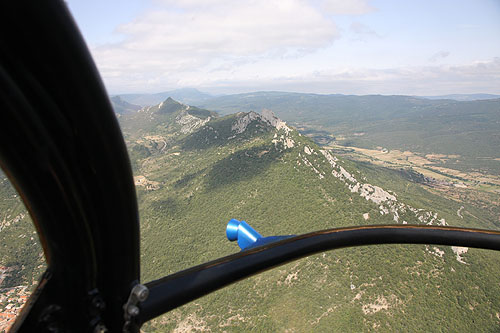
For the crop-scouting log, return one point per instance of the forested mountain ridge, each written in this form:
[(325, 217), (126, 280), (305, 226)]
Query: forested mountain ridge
[(195, 170), (467, 132), (256, 168)]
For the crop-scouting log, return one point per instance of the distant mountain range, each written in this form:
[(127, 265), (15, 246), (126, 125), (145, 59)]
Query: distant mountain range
[(185, 95), (122, 107), (194, 96), (464, 97)]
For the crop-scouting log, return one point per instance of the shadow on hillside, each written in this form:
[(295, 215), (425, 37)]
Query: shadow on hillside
[(219, 132), (188, 178), (166, 207), (215, 133), (242, 165)]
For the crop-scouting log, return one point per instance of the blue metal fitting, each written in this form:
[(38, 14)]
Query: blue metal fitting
[(243, 233), (246, 236), (232, 230)]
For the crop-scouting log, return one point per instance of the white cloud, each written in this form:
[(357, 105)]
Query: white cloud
[(419, 80), (195, 3), (362, 31), (230, 46), (169, 41), (347, 7), (439, 55)]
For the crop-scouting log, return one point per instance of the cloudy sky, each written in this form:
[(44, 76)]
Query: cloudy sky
[(425, 47)]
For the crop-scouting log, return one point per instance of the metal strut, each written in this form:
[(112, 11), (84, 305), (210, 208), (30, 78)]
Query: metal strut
[(180, 288), (138, 294)]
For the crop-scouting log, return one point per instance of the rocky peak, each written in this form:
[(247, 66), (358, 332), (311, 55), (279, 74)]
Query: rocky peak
[(243, 120), (274, 121), (122, 107), (170, 106), (267, 116)]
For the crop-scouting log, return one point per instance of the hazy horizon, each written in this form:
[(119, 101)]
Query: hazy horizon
[(356, 47), (283, 91)]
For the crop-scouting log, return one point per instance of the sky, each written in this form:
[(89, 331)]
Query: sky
[(425, 47)]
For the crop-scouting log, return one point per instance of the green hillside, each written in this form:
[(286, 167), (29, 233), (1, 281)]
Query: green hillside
[(21, 257), (241, 166), (195, 170)]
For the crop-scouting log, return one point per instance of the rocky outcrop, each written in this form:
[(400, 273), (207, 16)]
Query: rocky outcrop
[(387, 202), (190, 123), (241, 123), (270, 117), (459, 251)]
